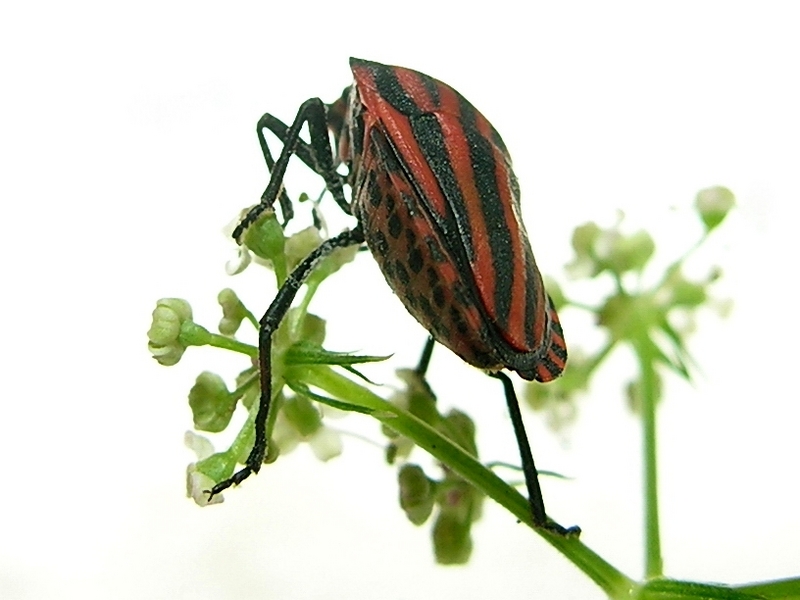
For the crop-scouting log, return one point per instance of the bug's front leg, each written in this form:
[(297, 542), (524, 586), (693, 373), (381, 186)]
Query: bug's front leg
[(302, 151), (312, 112), (268, 325), (314, 156)]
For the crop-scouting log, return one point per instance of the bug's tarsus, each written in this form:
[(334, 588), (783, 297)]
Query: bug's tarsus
[(535, 498), (268, 324), (236, 479)]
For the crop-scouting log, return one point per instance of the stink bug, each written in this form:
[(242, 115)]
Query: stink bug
[(437, 203)]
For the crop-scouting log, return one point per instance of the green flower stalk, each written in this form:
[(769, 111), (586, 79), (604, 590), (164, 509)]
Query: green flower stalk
[(643, 319)]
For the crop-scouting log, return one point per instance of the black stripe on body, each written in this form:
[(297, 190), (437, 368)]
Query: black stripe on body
[(501, 247), (498, 141), (559, 350), (558, 345), (432, 87), (430, 138), (391, 90), (533, 310), (551, 367), (428, 134)]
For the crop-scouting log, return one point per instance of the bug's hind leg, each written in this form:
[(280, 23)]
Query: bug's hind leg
[(535, 498)]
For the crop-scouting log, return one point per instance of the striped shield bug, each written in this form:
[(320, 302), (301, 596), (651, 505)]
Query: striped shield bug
[(438, 205)]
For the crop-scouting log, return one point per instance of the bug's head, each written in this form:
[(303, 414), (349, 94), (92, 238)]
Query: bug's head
[(346, 122), (337, 113), (338, 116)]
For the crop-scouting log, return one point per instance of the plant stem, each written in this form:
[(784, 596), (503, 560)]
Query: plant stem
[(785, 589), (229, 343), (654, 565)]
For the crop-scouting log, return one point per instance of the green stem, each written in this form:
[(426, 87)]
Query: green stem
[(244, 439), (280, 268), (612, 581), (243, 442), (654, 565), (785, 589), (241, 389), (599, 357), (679, 262), (311, 289), (252, 319), (228, 343)]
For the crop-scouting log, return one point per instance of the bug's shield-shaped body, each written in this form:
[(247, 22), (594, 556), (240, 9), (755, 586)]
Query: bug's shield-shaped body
[(438, 201)]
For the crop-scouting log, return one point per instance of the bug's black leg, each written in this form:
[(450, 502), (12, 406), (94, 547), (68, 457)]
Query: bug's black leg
[(269, 323), (322, 154), (287, 209), (304, 151), (535, 497), (425, 359), (421, 369), (316, 156), (312, 111)]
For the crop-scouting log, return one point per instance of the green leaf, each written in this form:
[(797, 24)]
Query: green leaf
[(301, 388), (676, 363), (309, 353), (359, 374), (680, 347)]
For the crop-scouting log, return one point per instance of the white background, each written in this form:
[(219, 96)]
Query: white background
[(128, 143)]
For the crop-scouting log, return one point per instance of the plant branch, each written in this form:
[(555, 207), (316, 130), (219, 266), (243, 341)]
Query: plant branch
[(654, 565)]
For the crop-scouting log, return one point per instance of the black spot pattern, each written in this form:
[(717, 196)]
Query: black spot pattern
[(438, 296), (401, 273), (395, 226), (374, 193), (415, 260)]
